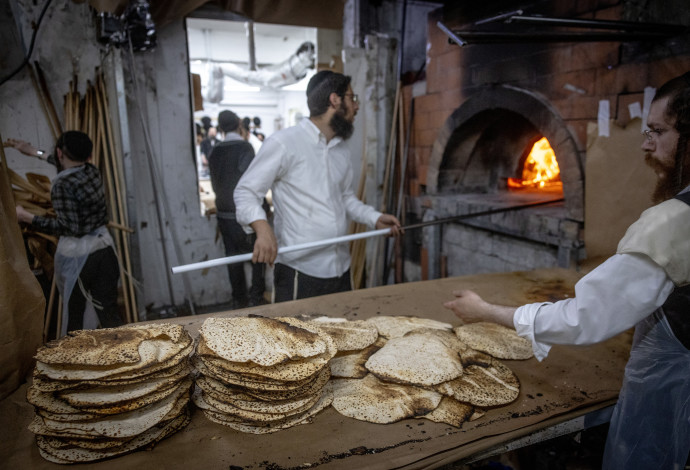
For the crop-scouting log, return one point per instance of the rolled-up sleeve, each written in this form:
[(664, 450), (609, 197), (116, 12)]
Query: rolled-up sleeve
[(255, 183), (612, 298)]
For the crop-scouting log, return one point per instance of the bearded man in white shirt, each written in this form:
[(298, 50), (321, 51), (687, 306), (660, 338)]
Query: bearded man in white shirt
[(308, 169), (646, 284)]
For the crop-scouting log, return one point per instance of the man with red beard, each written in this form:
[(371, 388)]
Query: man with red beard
[(308, 169), (646, 284)]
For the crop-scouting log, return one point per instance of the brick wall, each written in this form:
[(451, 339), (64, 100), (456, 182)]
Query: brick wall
[(573, 76)]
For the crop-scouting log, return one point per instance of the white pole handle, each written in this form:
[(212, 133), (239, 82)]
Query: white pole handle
[(287, 249)]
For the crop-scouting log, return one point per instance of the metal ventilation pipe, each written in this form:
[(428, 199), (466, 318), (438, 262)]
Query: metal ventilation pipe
[(290, 71)]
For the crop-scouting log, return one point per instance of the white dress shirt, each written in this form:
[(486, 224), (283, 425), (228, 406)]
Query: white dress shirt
[(311, 183), (615, 296), (652, 259)]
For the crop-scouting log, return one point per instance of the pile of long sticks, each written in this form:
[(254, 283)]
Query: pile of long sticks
[(393, 173), (91, 115)]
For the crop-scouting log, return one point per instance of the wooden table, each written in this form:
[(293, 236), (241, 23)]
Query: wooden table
[(571, 384)]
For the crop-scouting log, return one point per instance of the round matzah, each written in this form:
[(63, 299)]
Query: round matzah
[(153, 352), (350, 364), (46, 384), (397, 326), (75, 454), (483, 386), (348, 335), (264, 428), (288, 371), (250, 403), (447, 337), (251, 383), (105, 395), (372, 400), (263, 341), (451, 412), (116, 426), (494, 339), (309, 389), (140, 402), (106, 347), (254, 416), (415, 359)]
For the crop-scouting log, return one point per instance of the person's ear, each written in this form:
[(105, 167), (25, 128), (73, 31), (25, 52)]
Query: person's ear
[(334, 100)]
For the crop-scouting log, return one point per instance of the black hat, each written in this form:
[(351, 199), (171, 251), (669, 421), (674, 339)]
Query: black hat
[(76, 144)]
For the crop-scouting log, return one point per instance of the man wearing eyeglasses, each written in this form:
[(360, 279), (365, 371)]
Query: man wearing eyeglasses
[(646, 284), (308, 169)]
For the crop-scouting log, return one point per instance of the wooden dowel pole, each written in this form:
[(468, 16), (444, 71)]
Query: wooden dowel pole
[(51, 307)]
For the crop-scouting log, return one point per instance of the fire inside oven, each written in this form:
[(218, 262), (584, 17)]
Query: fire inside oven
[(539, 169)]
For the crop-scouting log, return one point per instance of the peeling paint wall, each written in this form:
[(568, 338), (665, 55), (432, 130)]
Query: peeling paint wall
[(66, 45), (152, 100)]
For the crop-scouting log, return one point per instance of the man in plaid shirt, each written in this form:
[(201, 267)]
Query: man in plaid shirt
[(86, 265)]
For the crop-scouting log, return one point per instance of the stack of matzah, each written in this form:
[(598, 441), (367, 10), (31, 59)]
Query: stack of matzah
[(261, 375), (102, 393), (419, 368)]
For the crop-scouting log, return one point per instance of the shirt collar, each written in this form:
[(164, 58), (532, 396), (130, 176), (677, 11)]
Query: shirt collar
[(316, 134), (232, 136)]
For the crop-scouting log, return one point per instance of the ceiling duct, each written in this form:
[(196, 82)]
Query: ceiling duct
[(288, 72)]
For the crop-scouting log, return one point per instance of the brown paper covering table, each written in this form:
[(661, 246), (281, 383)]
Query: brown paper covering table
[(571, 383)]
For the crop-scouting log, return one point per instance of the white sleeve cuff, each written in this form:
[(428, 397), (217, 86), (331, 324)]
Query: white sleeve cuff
[(523, 321)]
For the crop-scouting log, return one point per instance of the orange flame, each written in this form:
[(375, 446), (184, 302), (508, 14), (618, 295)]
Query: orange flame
[(541, 168)]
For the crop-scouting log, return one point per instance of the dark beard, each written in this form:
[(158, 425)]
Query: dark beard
[(665, 185), (341, 126)]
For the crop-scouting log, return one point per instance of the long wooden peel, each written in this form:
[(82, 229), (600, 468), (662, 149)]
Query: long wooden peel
[(357, 236)]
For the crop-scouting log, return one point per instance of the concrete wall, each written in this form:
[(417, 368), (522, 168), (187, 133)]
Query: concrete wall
[(163, 174), (66, 45), (149, 96)]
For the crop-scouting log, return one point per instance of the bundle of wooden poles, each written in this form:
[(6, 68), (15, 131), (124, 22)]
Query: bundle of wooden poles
[(89, 114), (394, 174)]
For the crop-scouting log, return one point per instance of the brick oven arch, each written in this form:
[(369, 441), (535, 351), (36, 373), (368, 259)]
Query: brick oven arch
[(516, 107)]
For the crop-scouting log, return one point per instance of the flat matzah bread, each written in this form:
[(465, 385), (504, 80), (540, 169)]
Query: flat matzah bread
[(247, 402), (348, 335), (107, 395), (350, 364), (106, 347), (262, 341), (372, 400), (451, 412), (494, 339), (123, 425), (396, 326), (483, 386), (254, 416), (289, 370), (152, 352), (251, 383), (415, 359), (179, 362), (264, 428), (311, 388), (74, 454)]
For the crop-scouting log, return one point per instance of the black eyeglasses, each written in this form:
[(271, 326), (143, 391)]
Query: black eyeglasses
[(353, 97)]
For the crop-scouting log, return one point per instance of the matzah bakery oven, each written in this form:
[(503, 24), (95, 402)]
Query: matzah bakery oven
[(498, 80), (504, 150)]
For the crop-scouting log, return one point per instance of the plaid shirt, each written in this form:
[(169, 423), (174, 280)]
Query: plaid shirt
[(79, 202)]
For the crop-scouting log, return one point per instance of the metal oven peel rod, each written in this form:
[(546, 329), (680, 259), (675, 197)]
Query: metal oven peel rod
[(356, 236)]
